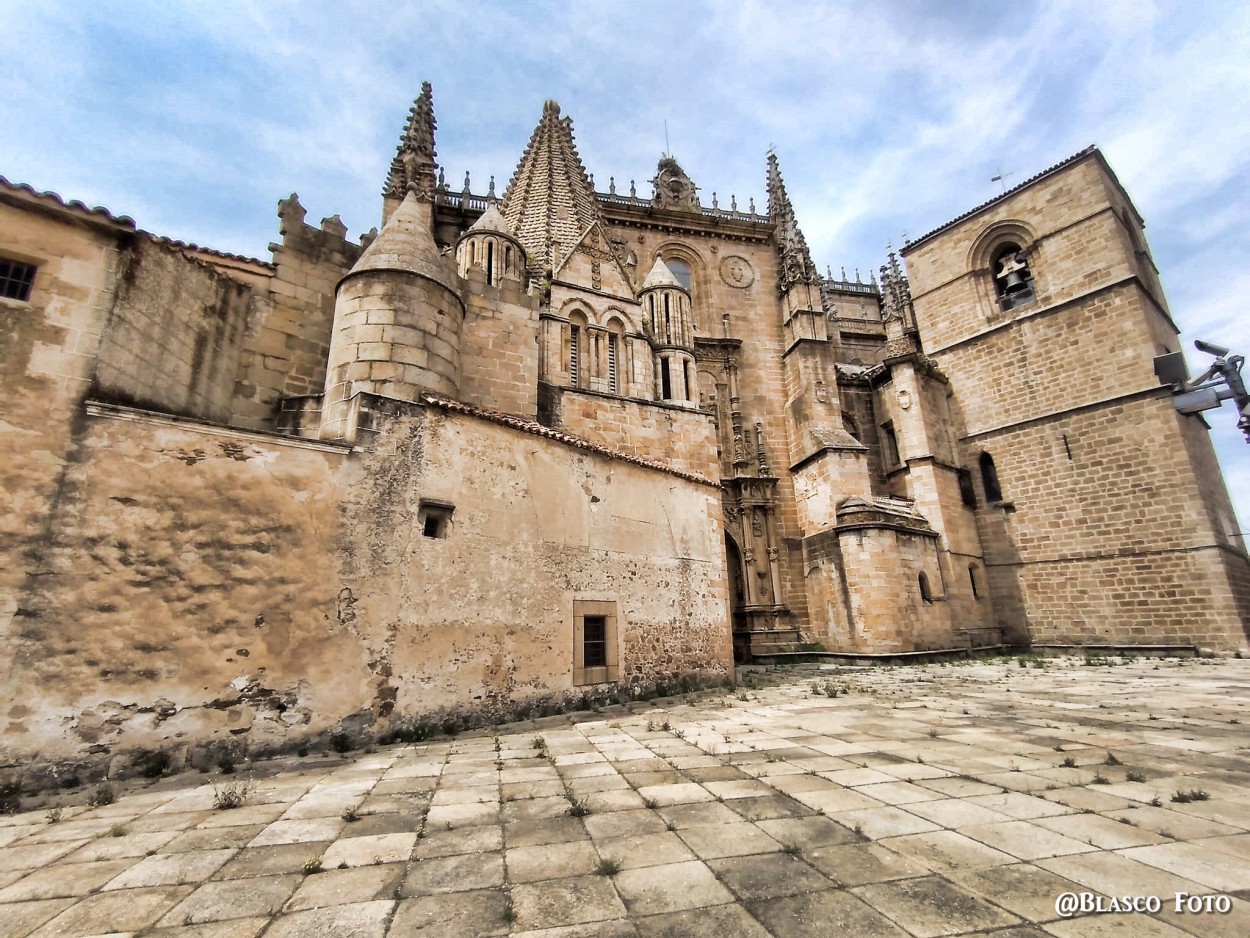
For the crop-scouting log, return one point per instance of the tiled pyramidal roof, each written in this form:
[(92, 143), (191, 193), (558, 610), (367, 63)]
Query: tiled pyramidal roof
[(549, 203), (796, 259)]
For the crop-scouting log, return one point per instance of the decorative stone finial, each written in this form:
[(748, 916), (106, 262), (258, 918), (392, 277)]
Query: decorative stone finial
[(673, 188), (412, 169), (895, 291)]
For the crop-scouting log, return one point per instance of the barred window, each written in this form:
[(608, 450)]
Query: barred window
[(16, 279), (594, 642)]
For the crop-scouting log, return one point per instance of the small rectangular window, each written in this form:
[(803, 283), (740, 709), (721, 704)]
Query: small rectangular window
[(595, 641), (435, 519), (16, 280)]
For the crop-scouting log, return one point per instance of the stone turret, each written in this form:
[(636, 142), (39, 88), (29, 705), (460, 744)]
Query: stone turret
[(490, 246), (670, 326), (397, 312)]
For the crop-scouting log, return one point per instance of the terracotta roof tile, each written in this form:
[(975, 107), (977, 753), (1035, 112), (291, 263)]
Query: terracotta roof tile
[(101, 214)]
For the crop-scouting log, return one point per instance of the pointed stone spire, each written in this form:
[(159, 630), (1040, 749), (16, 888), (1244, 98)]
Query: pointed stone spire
[(895, 292), (413, 169), (549, 203), (661, 276), (796, 260)]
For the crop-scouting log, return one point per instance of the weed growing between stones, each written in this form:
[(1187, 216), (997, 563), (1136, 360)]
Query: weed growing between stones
[(102, 795), (230, 796), (1194, 794)]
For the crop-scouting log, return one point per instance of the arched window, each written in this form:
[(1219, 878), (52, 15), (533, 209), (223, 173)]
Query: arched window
[(490, 263), (989, 479), (680, 269), (972, 581), (1013, 281), (925, 594)]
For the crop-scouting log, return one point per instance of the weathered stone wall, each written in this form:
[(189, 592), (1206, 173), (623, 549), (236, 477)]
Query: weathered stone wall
[(485, 614), (49, 349), (205, 588), (678, 437), (1113, 542), (499, 346), (187, 595), (174, 333), (866, 583), (288, 341)]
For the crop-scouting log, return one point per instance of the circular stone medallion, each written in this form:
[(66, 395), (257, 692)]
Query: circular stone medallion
[(736, 271)]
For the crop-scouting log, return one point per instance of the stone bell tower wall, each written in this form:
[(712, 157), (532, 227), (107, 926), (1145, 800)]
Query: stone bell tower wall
[(1112, 524)]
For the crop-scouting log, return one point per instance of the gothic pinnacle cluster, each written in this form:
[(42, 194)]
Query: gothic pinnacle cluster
[(412, 168), (796, 259)]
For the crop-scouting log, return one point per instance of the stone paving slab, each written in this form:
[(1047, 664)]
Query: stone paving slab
[(926, 801)]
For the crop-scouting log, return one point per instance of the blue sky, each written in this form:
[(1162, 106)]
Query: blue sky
[(888, 118)]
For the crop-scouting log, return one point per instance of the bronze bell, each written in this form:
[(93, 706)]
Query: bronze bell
[(1015, 284)]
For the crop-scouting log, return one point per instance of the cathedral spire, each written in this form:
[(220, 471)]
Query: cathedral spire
[(412, 169), (796, 260), (549, 202)]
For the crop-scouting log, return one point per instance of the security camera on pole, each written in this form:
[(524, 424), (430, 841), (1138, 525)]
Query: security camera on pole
[(1220, 382)]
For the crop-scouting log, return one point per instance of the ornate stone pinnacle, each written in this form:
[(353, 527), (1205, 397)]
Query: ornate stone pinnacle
[(412, 169), (796, 260)]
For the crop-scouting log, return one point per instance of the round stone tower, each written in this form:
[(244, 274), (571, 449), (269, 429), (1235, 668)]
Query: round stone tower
[(397, 319), (667, 320)]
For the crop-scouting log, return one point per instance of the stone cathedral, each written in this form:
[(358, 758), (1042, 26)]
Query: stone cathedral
[(512, 453)]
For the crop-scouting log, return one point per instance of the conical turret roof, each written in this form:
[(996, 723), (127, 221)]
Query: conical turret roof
[(549, 203), (406, 243), (492, 220), (661, 276)]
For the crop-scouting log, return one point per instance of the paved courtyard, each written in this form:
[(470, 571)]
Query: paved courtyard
[(958, 799)]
